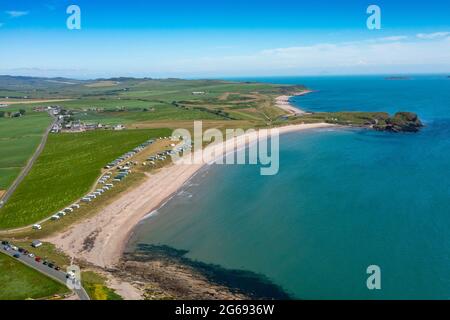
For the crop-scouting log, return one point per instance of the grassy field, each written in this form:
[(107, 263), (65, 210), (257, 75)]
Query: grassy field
[(19, 282), (95, 286), (19, 138), (66, 170), (129, 101), (86, 210)]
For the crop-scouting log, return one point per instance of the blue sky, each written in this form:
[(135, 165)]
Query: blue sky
[(223, 38)]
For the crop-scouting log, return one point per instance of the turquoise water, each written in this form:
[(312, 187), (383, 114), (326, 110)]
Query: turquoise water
[(343, 200)]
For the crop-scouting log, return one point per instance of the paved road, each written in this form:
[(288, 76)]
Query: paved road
[(30, 163), (59, 276)]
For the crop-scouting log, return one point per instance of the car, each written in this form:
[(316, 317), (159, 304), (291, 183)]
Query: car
[(5, 243), (31, 255), (57, 268), (37, 227), (51, 265), (21, 250), (16, 255), (6, 248), (45, 262), (55, 217), (14, 248), (37, 259)]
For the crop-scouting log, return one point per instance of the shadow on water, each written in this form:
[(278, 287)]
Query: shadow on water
[(253, 285)]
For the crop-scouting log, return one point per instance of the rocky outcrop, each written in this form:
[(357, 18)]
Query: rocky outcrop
[(400, 122)]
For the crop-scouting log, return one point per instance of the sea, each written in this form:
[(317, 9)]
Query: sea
[(343, 200)]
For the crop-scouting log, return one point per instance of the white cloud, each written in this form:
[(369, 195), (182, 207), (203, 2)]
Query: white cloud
[(387, 53), (435, 35), (393, 38), (16, 14), (389, 56)]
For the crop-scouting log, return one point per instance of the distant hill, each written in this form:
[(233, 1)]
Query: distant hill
[(24, 82)]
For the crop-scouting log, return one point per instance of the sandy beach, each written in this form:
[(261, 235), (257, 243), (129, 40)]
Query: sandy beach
[(108, 232), (283, 103)]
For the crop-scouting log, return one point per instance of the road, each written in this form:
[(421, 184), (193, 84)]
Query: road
[(30, 163), (59, 276)]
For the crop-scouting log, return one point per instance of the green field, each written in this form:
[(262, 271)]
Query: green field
[(66, 170), (19, 138), (19, 282), (129, 101)]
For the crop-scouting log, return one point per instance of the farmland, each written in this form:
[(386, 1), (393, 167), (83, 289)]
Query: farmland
[(19, 282), (66, 170), (129, 101), (19, 137)]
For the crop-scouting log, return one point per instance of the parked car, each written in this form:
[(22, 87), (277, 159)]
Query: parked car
[(16, 255), (37, 227), (36, 243), (37, 259), (31, 255), (5, 243)]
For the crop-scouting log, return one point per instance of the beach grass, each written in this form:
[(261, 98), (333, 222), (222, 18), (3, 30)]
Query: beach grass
[(95, 286), (66, 170), (19, 282)]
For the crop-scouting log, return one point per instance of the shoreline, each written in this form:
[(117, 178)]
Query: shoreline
[(110, 230), (282, 102)]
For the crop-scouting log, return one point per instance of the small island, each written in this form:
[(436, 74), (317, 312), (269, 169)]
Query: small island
[(398, 78)]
